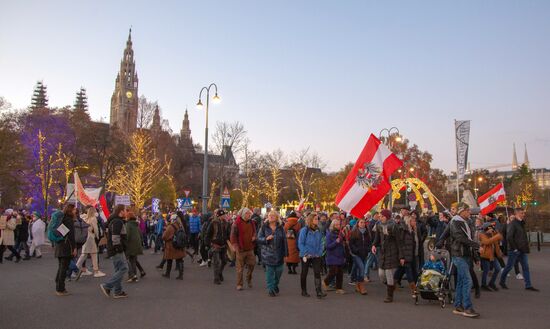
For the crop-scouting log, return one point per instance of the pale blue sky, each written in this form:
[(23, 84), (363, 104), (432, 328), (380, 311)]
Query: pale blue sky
[(323, 74)]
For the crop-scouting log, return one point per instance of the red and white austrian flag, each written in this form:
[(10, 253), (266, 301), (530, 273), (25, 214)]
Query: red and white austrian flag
[(369, 180), (488, 201)]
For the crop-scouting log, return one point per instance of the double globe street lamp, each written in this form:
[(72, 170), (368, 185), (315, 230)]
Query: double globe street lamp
[(216, 99)]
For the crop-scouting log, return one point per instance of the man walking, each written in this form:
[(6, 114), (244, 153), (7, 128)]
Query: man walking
[(462, 250), (115, 249), (518, 248), (217, 237), (243, 237)]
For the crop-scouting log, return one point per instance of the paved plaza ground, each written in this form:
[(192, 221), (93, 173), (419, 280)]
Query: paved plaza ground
[(27, 301)]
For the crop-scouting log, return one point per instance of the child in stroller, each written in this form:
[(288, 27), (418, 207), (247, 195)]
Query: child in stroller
[(433, 282)]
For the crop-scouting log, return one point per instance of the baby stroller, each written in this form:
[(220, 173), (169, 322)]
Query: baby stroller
[(435, 286)]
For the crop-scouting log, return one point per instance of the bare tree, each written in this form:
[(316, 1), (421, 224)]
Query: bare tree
[(146, 111), (304, 177), (249, 182), (4, 104), (272, 165), (231, 136)]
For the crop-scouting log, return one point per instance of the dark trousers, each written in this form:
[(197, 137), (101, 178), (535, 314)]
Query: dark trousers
[(10, 248), (316, 264), (335, 271), (219, 259), (409, 269), (475, 281), (204, 251), (62, 269), (22, 246), (132, 264), (194, 242)]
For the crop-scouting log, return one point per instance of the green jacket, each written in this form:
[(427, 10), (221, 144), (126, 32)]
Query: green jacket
[(134, 244)]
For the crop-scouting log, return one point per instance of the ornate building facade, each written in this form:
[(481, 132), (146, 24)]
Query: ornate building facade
[(124, 102)]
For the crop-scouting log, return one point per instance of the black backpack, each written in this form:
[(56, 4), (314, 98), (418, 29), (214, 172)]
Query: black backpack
[(179, 241), (80, 231)]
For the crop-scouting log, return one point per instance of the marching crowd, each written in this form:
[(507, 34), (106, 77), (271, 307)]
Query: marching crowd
[(399, 245)]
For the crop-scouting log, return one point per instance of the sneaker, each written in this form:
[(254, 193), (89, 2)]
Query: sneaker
[(470, 313), (503, 286), (519, 276), (486, 288), (239, 288), (272, 293), (458, 310), (351, 283), (132, 279), (532, 289), (106, 291), (62, 293), (121, 294), (99, 274), (87, 272), (340, 291), (203, 264), (493, 286)]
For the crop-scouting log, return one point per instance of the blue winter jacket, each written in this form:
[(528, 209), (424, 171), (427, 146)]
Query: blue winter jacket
[(194, 224), (275, 250), (310, 242), (160, 226), (336, 254)]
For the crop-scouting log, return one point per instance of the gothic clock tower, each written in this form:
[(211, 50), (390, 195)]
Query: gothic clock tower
[(124, 102)]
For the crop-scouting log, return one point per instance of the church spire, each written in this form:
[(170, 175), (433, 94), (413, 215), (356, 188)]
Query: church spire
[(185, 133), (514, 159), (81, 101), (526, 157), (40, 96), (156, 119)]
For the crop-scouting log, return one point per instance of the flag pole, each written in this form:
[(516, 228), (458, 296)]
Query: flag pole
[(506, 206), (75, 189), (457, 184)]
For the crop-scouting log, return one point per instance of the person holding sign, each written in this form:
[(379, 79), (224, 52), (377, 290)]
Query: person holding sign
[(65, 249)]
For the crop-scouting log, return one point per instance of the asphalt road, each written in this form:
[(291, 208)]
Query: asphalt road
[(27, 300)]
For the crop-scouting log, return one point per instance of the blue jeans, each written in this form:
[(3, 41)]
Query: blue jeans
[(463, 283), (371, 260), (486, 266), (358, 270), (121, 267), (273, 276), (514, 256)]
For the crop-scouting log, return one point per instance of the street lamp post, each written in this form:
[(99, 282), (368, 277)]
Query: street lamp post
[(388, 143), (215, 99)]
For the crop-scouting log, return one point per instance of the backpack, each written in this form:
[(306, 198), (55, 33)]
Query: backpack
[(179, 241), (291, 233), (55, 221), (80, 231)]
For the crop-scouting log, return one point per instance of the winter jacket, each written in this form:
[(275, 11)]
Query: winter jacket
[(159, 228), (169, 251), (194, 224), (38, 231), (360, 243), (336, 251), (388, 244), (517, 237), (275, 250), (461, 244), (218, 233), (23, 235), (134, 244), (490, 246), (292, 243), (7, 236), (310, 242), (65, 247), (116, 238)]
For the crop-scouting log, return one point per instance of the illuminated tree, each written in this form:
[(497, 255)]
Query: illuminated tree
[(303, 176), (523, 187), (140, 173), (271, 178)]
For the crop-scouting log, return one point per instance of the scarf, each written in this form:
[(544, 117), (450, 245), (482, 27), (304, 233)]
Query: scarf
[(467, 227)]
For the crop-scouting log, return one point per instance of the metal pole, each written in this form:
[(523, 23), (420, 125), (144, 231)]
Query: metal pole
[(205, 167)]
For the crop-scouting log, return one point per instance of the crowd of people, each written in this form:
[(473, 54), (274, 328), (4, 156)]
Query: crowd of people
[(330, 244)]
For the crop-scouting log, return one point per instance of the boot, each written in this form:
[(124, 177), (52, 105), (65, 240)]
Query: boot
[(168, 270), (412, 285), (180, 269), (318, 289), (360, 288), (389, 294)]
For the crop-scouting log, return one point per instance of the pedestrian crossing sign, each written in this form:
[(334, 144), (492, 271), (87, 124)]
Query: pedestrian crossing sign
[(226, 203)]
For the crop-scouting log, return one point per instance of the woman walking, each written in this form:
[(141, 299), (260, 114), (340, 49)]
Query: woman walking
[(37, 235), (273, 244), (134, 247), (387, 241), (310, 243), (336, 256), (292, 230), (65, 249), (8, 225), (360, 244), (170, 251), (89, 248)]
